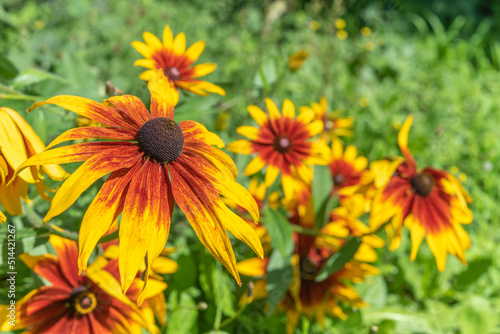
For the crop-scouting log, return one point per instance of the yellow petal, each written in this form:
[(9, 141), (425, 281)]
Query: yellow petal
[(203, 69), (258, 115), (168, 37), (195, 50), (272, 109), (163, 97), (250, 132), (271, 175), (254, 166), (152, 41), (315, 127), (252, 267), (179, 44), (145, 50), (305, 116), (147, 75), (241, 146), (288, 109), (147, 63)]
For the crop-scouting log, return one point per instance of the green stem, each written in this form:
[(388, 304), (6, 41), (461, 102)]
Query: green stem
[(19, 97), (235, 316)]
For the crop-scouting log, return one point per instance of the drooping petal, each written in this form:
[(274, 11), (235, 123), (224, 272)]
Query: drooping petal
[(94, 110), (145, 222), (194, 200), (104, 208), (89, 172), (163, 99), (48, 267), (271, 175), (12, 145), (67, 253)]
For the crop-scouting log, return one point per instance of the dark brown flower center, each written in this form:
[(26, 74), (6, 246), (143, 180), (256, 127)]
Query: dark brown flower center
[(173, 73), (338, 179), (423, 183), (308, 269), (83, 300), (161, 139), (282, 144)]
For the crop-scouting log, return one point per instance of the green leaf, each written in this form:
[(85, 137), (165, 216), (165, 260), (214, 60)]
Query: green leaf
[(33, 76), (7, 69), (279, 276), (338, 259), (279, 230), (475, 270), (321, 189), (184, 314), (475, 316)]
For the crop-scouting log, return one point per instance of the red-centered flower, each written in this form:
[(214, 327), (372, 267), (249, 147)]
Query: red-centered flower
[(282, 143), (73, 303), (176, 62), (153, 163), (430, 202), (334, 125)]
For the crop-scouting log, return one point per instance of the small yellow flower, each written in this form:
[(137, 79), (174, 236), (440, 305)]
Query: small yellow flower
[(396, 125), (340, 24), (342, 34), (365, 31), (454, 170), (369, 46), (314, 25), (462, 177)]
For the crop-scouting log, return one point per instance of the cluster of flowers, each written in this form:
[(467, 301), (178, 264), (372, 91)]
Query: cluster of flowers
[(153, 163)]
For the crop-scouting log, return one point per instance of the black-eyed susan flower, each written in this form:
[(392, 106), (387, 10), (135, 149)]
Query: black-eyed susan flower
[(18, 142), (334, 125), (153, 163), (73, 303), (283, 143), (430, 202), (170, 55)]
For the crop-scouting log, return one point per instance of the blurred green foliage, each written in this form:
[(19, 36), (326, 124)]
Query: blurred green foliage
[(438, 60)]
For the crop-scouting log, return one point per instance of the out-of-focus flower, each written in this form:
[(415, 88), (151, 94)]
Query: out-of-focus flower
[(430, 202), (363, 102), (170, 55), (18, 142), (307, 296), (154, 303), (334, 125), (297, 60), (153, 163), (365, 31), (74, 303), (222, 121), (340, 24), (282, 144), (314, 25), (369, 46), (342, 35)]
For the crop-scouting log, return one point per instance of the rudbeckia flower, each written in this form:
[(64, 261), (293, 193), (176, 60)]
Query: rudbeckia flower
[(18, 142), (171, 56), (73, 303), (154, 162), (305, 295), (430, 202), (296, 60), (334, 125), (351, 178), (282, 144)]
